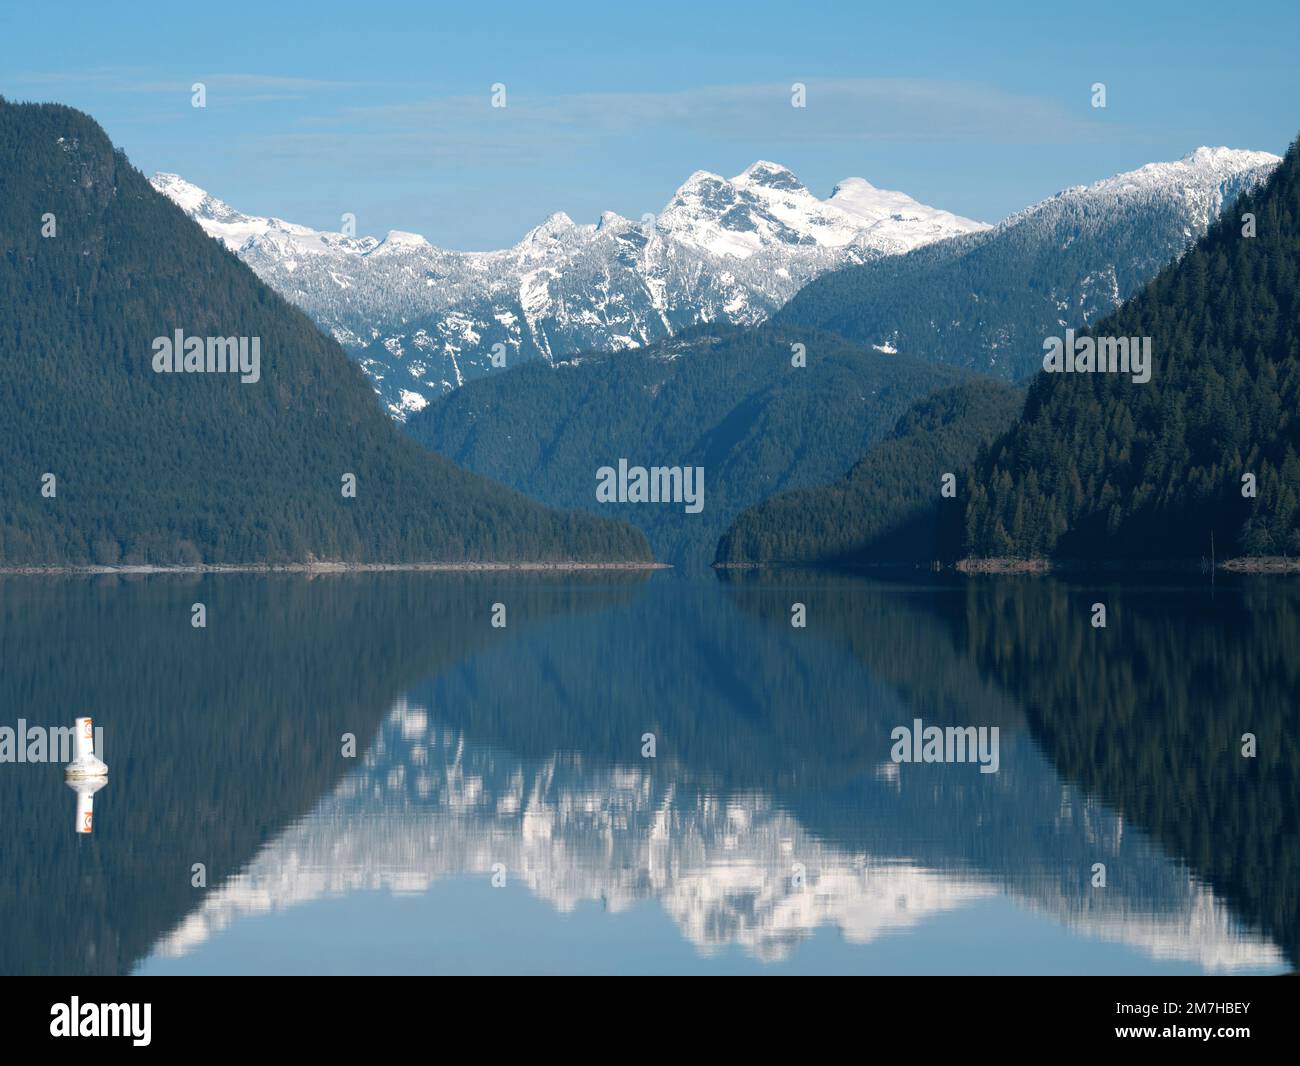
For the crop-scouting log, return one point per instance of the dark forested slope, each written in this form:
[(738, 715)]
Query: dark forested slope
[(190, 467), (726, 400), (1103, 468), (889, 508)]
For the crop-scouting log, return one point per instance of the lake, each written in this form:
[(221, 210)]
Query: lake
[(653, 773)]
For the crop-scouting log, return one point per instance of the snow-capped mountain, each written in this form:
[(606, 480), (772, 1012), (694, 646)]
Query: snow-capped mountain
[(422, 320), (987, 300), (1202, 182)]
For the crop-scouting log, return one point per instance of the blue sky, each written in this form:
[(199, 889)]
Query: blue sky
[(383, 109)]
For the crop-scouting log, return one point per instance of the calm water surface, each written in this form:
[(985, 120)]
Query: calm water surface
[(770, 833)]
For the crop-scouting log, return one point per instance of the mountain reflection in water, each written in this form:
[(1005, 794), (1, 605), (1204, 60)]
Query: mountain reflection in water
[(771, 811)]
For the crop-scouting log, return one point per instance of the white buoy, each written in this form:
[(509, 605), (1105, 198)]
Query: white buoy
[(85, 788), (85, 763)]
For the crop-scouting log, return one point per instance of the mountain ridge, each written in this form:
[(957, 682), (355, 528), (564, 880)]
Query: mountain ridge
[(986, 300), (421, 320)]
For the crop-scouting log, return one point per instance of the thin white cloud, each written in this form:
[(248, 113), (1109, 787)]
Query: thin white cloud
[(837, 111), (137, 80), (534, 130)]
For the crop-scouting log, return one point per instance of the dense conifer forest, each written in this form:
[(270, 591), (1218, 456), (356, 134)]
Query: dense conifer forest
[(201, 467), (1198, 462), (890, 507), (728, 400), (1202, 458)]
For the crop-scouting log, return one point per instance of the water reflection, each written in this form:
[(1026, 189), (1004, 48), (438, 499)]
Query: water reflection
[(730, 870), (771, 811), (85, 788)]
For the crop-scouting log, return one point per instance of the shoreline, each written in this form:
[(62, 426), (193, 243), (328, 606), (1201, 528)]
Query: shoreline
[(1263, 564), (1003, 566), (322, 568), (1243, 564)]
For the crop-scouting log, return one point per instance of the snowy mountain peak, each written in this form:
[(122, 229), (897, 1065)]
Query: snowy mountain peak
[(557, 224), (858, 197), (421, 319), (1204, 166), (1222, 158), (698, 179), (768, 176), (400, 240), (767, 206), (184, 195), (612, 220), (853, 187), (1200, 183), (218, 218)]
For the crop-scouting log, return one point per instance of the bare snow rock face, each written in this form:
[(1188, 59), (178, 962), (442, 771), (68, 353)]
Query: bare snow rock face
[(422, 320), (987, 300)]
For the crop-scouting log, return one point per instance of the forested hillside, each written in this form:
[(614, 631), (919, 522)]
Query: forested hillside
[(727, 400), (889, 508), (1103, 468), (201, 467), (987, 300)]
